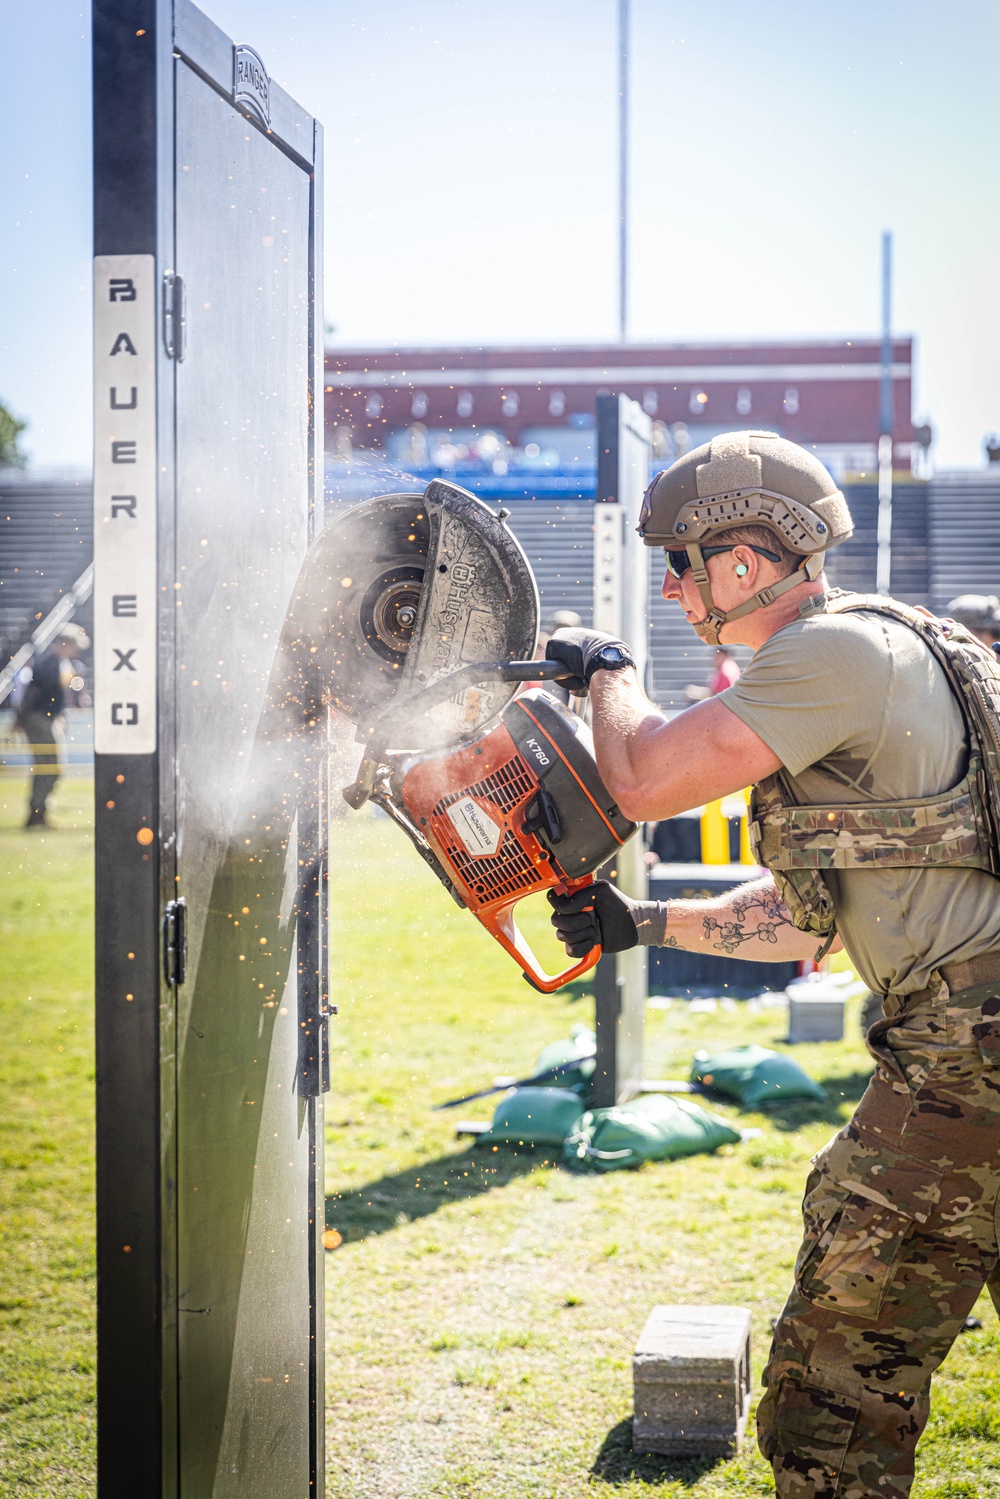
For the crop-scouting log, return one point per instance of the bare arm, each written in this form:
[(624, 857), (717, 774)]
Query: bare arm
[(751, 922), (655, 768)]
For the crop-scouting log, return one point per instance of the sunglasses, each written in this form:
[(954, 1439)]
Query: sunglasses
[(678, 562)]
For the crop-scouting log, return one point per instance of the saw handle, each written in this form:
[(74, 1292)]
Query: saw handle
[(499, 922), (534, 671)]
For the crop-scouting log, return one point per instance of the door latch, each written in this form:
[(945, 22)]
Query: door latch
[(174, 316), (175, 942)]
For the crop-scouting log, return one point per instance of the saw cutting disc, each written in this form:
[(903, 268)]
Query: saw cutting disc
[(389, 612), (357, 599), (403, 590)]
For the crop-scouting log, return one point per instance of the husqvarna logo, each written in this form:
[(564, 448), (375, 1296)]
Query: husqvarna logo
[(538, 752), (477, 830)]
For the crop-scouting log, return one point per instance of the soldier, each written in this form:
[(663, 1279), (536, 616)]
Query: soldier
[(40, 716), (869, 814)]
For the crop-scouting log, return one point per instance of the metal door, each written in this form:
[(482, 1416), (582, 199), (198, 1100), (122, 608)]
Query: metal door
[(211, 1357)]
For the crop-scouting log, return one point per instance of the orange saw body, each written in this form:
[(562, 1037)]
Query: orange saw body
[(415, 616), (520, 811)]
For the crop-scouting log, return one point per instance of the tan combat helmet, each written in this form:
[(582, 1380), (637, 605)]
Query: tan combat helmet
[(745, 479)]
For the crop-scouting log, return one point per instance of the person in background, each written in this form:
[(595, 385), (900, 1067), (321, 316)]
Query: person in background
[(559, 619), (723, 674), (978, 612), (39, 716)]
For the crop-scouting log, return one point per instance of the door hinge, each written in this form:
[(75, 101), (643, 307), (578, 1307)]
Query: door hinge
[(175, 942), (174, 316)]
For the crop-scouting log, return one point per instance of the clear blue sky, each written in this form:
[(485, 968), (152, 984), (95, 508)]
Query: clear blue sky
[(470, 180)]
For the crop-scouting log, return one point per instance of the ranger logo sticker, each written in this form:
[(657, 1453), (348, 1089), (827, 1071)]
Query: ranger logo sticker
[(251, 85), (477, 830)]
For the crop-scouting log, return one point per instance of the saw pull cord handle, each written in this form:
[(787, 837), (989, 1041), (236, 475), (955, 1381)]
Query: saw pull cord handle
[(499, 922)]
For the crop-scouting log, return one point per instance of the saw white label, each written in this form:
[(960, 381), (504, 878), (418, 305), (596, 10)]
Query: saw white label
[(477, 830), (124, 505)]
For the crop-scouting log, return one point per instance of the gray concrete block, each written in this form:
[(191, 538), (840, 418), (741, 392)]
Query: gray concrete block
[(691, 1378), (820, 1019)]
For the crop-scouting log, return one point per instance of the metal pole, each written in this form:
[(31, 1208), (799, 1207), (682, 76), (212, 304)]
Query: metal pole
[(622, 169), (886, 419), (885, 405), (621, 606)]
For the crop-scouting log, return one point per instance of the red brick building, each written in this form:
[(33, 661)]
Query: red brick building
[(540, 400)]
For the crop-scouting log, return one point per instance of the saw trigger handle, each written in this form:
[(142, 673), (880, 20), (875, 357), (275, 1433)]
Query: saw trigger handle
[(548, 983), (499, 922)]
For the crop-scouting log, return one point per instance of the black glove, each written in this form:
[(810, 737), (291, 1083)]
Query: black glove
[(597, 914), (577, 649)]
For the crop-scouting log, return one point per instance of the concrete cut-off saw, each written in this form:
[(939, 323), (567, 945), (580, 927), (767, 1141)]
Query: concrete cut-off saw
[(415, 616)]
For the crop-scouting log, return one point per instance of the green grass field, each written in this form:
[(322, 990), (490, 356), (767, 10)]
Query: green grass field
[(47, 1345), (482, 1308)]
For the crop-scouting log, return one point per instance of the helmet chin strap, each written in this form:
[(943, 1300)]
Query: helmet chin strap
[(708, 629)]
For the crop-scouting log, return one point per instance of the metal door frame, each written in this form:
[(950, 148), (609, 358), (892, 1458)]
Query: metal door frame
[(134, 51)]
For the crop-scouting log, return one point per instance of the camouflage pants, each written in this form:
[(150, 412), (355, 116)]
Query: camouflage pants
[(901, 1227)]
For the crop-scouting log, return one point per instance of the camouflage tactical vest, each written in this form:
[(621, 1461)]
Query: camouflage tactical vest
[(957, 829)]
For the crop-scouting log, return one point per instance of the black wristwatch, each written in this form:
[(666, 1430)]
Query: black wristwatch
[(609, 658)]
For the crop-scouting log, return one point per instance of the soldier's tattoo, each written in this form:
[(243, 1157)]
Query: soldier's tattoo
[(670, 942), (764, 913)]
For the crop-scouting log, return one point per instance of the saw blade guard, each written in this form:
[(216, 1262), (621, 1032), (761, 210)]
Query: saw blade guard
[(400, 591)]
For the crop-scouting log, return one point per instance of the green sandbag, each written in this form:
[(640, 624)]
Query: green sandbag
[(656, 1127), (753, 1075), (573, 1061), (534, 1116)]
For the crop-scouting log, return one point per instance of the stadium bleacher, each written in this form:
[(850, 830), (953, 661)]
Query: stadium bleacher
[(946, 540)]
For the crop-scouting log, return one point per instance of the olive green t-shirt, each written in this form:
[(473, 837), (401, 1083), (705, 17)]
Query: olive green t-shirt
[(857, 709)]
